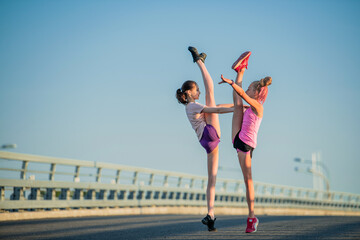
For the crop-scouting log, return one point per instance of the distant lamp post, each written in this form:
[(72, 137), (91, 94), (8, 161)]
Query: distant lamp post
[(318, 163), (8, 146)]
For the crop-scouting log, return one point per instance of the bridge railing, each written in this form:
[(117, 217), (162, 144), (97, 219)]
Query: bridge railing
[(37, 182)]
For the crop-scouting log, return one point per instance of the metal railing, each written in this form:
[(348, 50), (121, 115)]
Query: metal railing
[(36, 182)]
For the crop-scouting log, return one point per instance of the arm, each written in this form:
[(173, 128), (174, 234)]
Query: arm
[(253, 103), (230, 105), (226, 105), (218, 110)]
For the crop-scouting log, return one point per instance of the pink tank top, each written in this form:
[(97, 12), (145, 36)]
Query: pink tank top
[(250, 128)]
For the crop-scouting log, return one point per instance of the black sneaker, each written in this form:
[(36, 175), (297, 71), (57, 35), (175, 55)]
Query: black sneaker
[(196, 56), (202, 57), (209, 223)]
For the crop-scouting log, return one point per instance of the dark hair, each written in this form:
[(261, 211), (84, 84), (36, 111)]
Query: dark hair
[(181, 95)]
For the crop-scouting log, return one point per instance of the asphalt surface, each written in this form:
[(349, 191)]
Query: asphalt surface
[(182, 227)]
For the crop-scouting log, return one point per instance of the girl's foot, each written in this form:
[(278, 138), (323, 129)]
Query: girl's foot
[(202, 57), (196, 56), (209, 223), (241, 62), (252, 224)]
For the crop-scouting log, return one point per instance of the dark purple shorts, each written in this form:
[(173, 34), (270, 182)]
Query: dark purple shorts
[(210, 138)]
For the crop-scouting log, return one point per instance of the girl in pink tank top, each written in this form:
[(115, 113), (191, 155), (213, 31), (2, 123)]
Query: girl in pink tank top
[(245, 127)]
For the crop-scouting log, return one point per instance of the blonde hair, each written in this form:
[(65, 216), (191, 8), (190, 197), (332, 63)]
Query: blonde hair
[(262, 89)]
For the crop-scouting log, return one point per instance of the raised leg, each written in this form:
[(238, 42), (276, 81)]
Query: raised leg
[(210, 118), (238, 106)]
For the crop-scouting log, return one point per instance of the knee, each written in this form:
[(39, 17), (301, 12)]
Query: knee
[(212, 179)]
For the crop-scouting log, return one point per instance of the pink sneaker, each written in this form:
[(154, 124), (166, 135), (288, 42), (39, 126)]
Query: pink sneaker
[(252, 224), (241, 62)]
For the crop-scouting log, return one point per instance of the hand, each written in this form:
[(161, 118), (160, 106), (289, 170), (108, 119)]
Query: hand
[(225, 80)]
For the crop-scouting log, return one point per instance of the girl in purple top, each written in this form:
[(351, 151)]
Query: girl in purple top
[(245, 126), (205, 121)]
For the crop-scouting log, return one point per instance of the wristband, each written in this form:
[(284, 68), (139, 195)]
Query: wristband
[(232, 82)]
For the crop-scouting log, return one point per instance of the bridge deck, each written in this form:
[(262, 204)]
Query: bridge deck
[(182, 227)]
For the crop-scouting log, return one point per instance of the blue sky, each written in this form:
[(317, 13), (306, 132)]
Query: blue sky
[(96, 80)]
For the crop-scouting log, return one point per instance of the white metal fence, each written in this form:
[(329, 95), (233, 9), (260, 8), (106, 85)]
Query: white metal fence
[(31, 182)]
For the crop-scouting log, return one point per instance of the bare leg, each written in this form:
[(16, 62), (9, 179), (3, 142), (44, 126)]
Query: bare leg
[(210, 118), (213, 161), (238, 106), (245, 163)]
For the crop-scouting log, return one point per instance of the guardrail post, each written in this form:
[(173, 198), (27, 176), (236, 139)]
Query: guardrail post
[(135, 177), (98, 175), (2, 193), (52, 172), (192, 182), (117, 179), (76, 174), (78, 193), (24, 170), (165, 180), (179, 182), (151, 179)]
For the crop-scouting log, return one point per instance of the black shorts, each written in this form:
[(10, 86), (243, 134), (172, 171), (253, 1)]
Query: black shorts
[(239, 145)]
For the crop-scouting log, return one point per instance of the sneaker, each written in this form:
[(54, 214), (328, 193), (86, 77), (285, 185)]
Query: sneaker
[(241, 62), (196, 56), (209, 223), (202, 57), (252, 224)]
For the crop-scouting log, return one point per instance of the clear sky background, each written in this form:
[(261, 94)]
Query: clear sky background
[(96, 80)]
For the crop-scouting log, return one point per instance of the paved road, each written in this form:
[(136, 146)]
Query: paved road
[(182, 227)]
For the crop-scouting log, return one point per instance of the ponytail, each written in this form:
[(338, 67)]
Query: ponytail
[(265, 81), (181, 94), (181, 97), (263, 89)]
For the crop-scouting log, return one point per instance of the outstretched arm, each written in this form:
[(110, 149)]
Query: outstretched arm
[(218, 110), (255, 104), (227, 105)]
